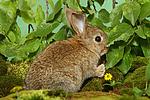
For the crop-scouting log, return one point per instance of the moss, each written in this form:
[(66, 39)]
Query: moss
[(138, 62), (127, 91), (93, 84), (19, 69), (138, 77), (127, 97), (3, 67), (7, 83)]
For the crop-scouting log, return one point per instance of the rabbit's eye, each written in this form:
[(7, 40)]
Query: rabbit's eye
[(98, 39)]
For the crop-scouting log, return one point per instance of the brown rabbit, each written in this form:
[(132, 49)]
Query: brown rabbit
[(66, 64)]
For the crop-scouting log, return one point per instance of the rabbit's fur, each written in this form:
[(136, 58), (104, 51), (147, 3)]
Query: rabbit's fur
[(66, 64)]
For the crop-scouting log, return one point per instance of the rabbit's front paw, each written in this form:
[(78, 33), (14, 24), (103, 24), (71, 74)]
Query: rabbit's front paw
[(100, 70)]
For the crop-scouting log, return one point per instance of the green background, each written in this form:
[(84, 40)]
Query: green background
[(108, 5)]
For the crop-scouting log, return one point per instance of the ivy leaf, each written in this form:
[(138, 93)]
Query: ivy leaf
[(131, 11), (39, 15), (9, 49), (31, 3), (126, 62), (31, 45), (145, 45), (116, 15), (144, 11), (61, 34), (74, 4), (57, 8), (140, 32), (12, 36), (8, 12), (43, 30), (104, 15), (28, 16), (122, 31), (113, 57), (23, 5), (100, 2), (97, 22), (51, 3)]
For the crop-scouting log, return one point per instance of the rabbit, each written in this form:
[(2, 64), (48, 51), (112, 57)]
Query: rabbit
[(66, 64)]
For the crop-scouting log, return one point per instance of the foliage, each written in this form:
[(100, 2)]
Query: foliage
[(3, 67), (128, 33), (7, 83)]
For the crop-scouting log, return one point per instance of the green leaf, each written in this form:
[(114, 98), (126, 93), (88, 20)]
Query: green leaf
[(142, 1), (113, 57), (74, 4), (39, 15), (11, 36), (148, 90), (131, 11), (51, 3), (116, 15), (31, 45), (126, 62), (140, 32), (28, 16), (8, 12), (61, 34), (104, 15), (97, 22), (122, 31), (22, 39), (100, 2), (31, 3), (23, 5), (43, 30), (148, 72), (137, 91), (145, 45), (9, 49), (57, 8), (144, 11)]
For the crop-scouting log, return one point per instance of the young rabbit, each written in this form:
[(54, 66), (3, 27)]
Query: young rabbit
[(66, 64)]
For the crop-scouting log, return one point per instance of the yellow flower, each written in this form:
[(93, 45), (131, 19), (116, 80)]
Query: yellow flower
[(108, 76), (16, 88)]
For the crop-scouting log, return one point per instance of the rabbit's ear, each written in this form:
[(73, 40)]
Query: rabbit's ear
[(77, 21)]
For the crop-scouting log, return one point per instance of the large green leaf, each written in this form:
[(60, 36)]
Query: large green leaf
[(126, 62), (31, 3), (9, 49), (31, 45), (131, 11), (142, 1), (57, 8), (148, 72), (61, 34), (74, 4), (97, 22), (43, 30), (144, 11), (51, 3), (28, 16), (23, 5), (145, 45), (11, 36), (39, 15), (100, 2), (104, 15), (140, 32), (122, 31), (8, 12), (116, 15), (113, 57)]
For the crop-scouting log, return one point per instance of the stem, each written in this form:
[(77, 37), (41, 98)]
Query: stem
[(29, 28), (17, 94), (47, 8)]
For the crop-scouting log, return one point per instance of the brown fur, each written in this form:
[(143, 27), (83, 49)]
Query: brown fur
[(66, 64)]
